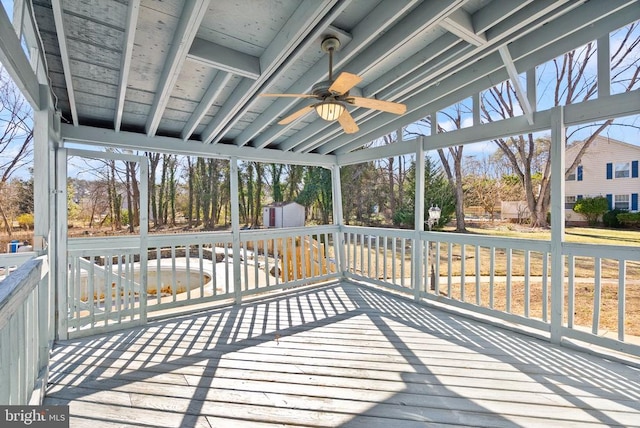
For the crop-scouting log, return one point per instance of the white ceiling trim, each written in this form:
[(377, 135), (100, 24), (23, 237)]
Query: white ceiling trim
[(222, 58), (283, 50), (316, 135), (129, 37), (460, 24), (161, 144), (523, 100), (192, 15), (64, 54)]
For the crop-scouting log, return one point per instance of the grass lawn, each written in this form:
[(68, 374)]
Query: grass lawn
[(581, 235)]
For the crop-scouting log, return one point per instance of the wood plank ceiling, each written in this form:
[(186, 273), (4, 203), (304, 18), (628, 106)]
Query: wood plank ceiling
[(193, 70)]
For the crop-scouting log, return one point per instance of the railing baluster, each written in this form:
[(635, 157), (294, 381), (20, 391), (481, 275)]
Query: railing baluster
[(201, 266), (545, 287), (403, 258), (508, 292), (108, 289), (478, 274), (622, 276), (118, 290), (597, 292), (436, 262), (395, 257), (492, 276), (158, 275), (571, 291), (450, 269), (377, 259), (174, 291), (187, 256), (265, 252), (527, 290), (255, 264), (462, 272), (91, 291)]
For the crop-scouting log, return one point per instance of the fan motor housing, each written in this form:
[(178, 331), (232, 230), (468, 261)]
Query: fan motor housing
[(321, 89)]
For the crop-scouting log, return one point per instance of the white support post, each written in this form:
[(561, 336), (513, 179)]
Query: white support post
[(557, 222), (532, 90), (434, 123), (419, 219), (42, 187), (44, 198), (59, 255), (475, 99), (338, 220), (604, 67), (144, 231), (235, 229)]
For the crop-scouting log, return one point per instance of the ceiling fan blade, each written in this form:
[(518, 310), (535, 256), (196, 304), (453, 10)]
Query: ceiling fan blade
[(289, 95), (296, 115), (388, 106), (348, 124), (344, 82)]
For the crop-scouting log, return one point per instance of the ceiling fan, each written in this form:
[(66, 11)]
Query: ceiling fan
[(333, 96)]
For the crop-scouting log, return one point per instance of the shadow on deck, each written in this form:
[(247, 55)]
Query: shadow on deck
[(337, 355)]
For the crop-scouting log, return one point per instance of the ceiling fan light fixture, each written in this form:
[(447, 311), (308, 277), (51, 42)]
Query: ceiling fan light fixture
[(330, 110)]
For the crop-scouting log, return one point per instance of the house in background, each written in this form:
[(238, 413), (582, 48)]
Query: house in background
[(608, 168), (283, 214)]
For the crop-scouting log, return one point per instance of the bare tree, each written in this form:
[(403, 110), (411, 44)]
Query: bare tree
[(16, 135), (452, 159), (573, 83)]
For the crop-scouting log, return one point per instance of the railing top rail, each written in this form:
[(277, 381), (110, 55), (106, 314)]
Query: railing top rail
[(16, 258), (287, 232), (488, 241), (15, 288), (380, 231), (601, 250)]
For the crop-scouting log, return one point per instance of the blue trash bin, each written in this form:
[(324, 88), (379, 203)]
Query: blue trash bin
[(14, 246)]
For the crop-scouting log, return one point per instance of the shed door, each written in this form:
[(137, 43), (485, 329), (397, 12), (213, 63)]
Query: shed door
[(272, 217)]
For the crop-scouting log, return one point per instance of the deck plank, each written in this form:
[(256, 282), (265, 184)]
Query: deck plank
[(341, 355)]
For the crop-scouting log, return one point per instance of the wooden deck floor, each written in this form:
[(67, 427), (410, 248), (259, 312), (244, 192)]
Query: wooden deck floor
[(339, 355)]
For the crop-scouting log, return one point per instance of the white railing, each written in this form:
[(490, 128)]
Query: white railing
[(187, 272), (381, 256), (602, 289), (9, 262), (26, 331), (507, 278), (274, 259)]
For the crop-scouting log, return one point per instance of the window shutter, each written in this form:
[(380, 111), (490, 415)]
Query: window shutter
[(579, 173), (634, 169), (610, 200), (609, 171), (634, 202)]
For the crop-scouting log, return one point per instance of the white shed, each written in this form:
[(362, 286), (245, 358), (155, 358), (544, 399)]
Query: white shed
[(283, 214)]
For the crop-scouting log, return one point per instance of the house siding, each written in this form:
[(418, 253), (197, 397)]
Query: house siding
[(596, 174)]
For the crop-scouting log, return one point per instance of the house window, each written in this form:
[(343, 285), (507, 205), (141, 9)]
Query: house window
[(623, 170), (571, 176), (569, 202), (621, 202)]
